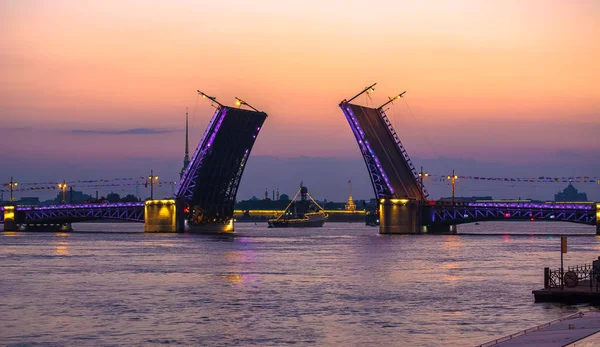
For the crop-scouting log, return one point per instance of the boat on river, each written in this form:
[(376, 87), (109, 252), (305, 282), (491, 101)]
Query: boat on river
[(305, 213)]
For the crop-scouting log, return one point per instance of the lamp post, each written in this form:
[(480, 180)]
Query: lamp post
[(173, 184), (12, 184), (239, 103), (452, 179), (422, 176), (152, 179), (63, 187)]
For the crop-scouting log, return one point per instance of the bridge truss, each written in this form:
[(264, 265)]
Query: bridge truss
[(474, 212), (133, 212)]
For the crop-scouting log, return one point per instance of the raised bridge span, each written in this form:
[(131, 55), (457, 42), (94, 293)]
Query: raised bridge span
[(208, 188), (403, 204)]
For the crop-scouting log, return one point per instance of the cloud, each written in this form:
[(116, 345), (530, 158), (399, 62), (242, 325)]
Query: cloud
[(10, 129), (136, 131)]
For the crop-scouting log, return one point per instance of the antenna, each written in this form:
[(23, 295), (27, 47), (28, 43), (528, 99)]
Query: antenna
[(186, 157), (187, 151), (350, 183)]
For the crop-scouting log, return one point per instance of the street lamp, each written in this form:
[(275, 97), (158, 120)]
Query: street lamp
[(212, 99), (152, 179), (173, 184), (389, 101), (452, 179), (239, 103), (63, 187), (422, 176), (12, 185)]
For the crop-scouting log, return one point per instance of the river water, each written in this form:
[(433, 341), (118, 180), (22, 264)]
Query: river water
[(340, 285)]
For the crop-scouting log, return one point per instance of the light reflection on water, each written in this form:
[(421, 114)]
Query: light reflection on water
[(342, 285)]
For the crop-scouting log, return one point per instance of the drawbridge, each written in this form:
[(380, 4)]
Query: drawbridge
[(205, 196), (392, 173), (395, 180), (403, 204), (208, 187)]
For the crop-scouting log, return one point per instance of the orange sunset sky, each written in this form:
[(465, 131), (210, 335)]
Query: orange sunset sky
[(500, 81)]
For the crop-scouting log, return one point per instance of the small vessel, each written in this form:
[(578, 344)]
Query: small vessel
[(372, 218), (304, 213)]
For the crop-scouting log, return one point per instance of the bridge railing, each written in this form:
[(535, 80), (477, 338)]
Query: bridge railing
[(554, 206), (464, 212), (533, 205)]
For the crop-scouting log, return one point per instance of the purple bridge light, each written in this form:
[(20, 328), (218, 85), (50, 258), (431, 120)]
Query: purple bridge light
[(490, 211)]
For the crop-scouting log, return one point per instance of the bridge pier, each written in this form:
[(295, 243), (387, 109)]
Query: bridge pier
[(160, 216), (10, 223), (597, 218), (399, 216)]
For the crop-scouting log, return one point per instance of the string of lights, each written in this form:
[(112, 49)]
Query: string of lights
[(429, 179)]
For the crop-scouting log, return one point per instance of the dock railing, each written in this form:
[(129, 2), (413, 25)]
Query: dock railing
[(559, 278)]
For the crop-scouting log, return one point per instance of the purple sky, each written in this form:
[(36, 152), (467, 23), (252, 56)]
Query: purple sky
[(96, 89)]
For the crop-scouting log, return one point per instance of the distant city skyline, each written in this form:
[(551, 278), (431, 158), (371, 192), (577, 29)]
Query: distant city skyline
[(285, 174)]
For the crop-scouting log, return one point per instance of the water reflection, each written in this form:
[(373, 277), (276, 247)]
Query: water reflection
[(158, 243), (453, 245), (596, 246), (453, 269), (342, 287), (239, 278), (239, 256), (234, 278), (61, 247), (449, 278), (239, 259), (11, 233)]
